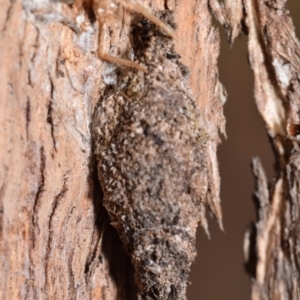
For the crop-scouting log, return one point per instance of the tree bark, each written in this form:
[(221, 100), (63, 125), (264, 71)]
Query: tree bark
[(272, 244), (56, 240)]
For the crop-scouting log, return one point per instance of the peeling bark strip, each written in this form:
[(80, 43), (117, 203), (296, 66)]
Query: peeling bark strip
[(154, 166), (52, 218), (274, 53), (229, 13)]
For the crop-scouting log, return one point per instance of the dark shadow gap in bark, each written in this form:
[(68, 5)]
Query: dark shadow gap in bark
[(293, 7), (247, 138)]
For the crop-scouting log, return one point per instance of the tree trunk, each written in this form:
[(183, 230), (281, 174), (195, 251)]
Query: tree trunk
[(56, 237)]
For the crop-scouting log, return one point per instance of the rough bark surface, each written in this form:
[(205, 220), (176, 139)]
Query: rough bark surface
[(56, 240), (272, 245)]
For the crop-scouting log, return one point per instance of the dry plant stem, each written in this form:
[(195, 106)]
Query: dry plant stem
[(146, 12), (112, 59), (106, 10), (274, 53)]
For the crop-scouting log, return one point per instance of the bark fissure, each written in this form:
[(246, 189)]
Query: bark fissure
[(41, 184), (50, 114), (72, 287), (2, 191), (92, 256), (34, 230), (8, 14), (55, 205), (27, 116), (51, 226)]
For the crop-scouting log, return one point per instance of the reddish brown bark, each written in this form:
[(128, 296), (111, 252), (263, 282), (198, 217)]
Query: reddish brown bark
[(56, 240)]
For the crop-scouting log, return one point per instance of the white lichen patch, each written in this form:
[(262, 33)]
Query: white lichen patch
[(283, 72)]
